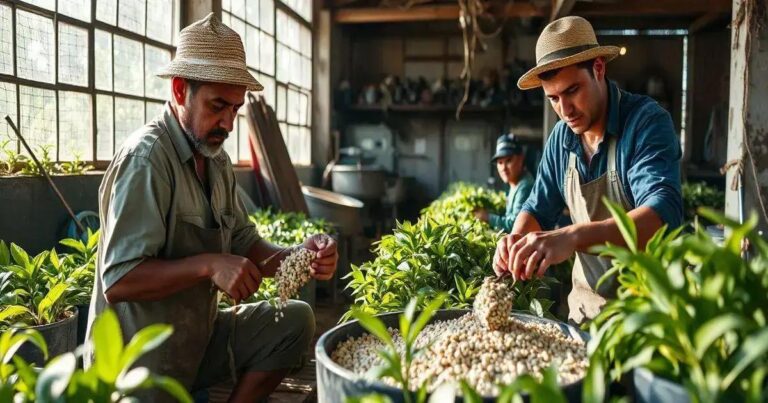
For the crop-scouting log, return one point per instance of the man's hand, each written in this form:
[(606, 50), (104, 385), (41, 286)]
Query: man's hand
[(235, 275), (481, 214), (536, 251), (327, 256), (501, 257)]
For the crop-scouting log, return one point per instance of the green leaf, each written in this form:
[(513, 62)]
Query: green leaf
[(54, 379), (20, 256), (143, 341), (625, 224), (470, 394), (50, 299), (714, 329), (132, 379), (594, 381), (172, 386), (108, 346), (5, 254), (373, 325), (74, 244), (13, 311), (754, 347), (426, 315), (54, 257)]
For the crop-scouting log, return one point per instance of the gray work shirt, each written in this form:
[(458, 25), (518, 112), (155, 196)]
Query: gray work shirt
[(153, 205)]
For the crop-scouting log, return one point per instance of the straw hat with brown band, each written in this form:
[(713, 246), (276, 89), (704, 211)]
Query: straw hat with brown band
[(564, 42), (210, 51)]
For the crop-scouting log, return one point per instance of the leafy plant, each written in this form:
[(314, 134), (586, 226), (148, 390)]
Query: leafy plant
[(12, 161), (397, 365), (41, 290), (46, 160), (111, 378), (460, 200), (428, 257), (699, 194), (77, 267), (688, 310), (75, 167), (29, 292)]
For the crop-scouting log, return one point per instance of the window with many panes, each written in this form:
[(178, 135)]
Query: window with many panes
[(78, 75), (278, 47)]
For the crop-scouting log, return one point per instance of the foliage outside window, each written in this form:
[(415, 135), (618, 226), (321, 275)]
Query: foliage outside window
[(78, 75)]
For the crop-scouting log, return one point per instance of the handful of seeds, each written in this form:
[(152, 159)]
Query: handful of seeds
[(494, 302), (292, 274)]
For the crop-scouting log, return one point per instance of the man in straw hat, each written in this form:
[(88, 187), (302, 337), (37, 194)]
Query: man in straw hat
[(174, 233), (608, 144)]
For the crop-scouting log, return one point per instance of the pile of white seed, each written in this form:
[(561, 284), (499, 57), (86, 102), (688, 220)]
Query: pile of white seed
[(292, 274), (464, 348), (493, 303)]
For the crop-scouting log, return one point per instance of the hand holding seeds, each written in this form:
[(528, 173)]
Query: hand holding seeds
[(326, 256), (493, 304), (235, 275)]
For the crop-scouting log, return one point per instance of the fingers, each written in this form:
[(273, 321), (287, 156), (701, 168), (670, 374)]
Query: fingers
[(543, 266), (500, 257), (514, 250), (532, 264), (522, 255)]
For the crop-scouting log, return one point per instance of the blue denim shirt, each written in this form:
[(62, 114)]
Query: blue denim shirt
[(647, 158), (515, 199)]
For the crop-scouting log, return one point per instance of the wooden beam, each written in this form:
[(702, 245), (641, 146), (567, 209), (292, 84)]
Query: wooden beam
[(421, 13), (655, 8), (561, 8)]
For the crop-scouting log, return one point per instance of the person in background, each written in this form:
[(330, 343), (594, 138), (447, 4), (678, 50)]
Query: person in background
[(510, 163)]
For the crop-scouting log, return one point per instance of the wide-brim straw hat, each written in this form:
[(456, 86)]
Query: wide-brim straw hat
[(209, 51), (565, 42)]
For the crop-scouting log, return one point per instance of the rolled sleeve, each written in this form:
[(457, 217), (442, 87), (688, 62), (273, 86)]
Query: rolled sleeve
[(244, 233), (546, 201), (134, 227), (654, 172)]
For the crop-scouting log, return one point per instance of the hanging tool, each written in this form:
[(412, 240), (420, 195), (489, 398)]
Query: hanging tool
[(45, 173)]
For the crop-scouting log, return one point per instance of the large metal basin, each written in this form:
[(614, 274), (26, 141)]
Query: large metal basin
[(335, 383), (342, 211), (359, 182)]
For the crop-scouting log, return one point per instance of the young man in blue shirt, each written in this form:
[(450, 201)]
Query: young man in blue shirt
[(608, 143), (510, 163)]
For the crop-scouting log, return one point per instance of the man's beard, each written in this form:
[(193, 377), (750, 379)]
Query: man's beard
[(202, 146)]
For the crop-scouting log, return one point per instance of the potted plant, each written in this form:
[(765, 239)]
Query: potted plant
[(113, 377), (690, 315), (33, 296), (78, 268)]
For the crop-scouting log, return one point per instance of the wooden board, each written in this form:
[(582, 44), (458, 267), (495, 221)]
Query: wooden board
[(276, 170)]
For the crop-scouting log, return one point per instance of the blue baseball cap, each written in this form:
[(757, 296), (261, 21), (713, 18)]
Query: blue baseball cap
[(507, 146)]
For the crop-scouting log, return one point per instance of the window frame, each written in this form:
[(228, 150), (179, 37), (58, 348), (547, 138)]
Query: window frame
[(90, 89), (287, 85)]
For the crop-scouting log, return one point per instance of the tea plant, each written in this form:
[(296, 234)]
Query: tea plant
[(75, 167), (699, 194), (428, 257), (688, 310), (111, 378), (46, 160), (28, 293), (458, 203), (12, 161)]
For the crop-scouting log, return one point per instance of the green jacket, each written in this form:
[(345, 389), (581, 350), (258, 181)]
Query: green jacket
[(515, 200)]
